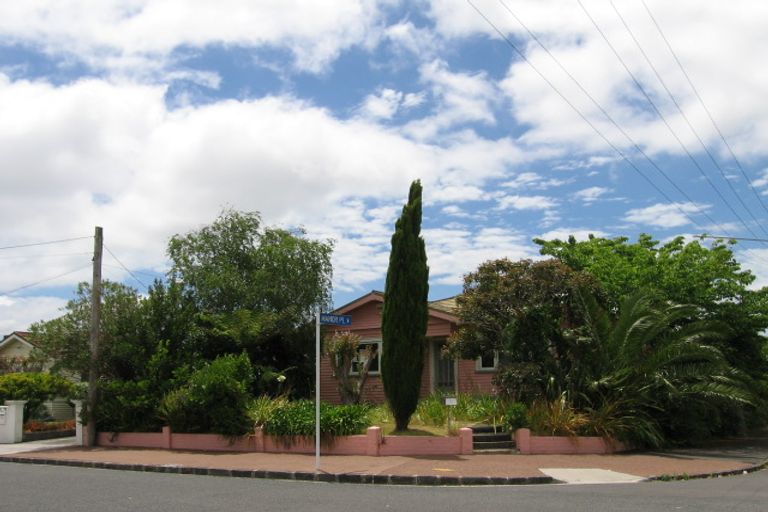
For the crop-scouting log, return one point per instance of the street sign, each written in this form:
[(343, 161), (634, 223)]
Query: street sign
[(330, 319)]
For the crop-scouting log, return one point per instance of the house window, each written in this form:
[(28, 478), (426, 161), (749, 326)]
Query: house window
[(366, 348), (487, 362)]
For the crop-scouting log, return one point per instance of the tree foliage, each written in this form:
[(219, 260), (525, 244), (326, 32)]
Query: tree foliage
[(525, 311), (65, 340), (343, 350), (684, 273), (234, 287), (234, 264), (404, 317)]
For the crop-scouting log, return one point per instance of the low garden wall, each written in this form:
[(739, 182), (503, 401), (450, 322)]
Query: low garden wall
[(529, 444), (371, 443)]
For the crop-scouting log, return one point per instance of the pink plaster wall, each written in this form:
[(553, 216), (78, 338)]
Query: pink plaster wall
[(530, 444), (372, 443), (131, 439)]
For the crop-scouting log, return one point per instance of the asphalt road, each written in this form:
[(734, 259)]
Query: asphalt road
[(25, 487)]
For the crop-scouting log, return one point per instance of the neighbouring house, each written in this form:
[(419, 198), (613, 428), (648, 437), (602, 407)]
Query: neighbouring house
[(15, 350), (442, 374), (16, 346)]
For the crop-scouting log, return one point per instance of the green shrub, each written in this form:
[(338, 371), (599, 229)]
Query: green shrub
[(432, 410), (127, 406), (280, 417), (215, 399), (516, 416), (556, 418), (36, 388)]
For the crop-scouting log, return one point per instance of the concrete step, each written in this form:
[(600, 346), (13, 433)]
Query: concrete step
[(492, 445), (486, 451), (483, 437)]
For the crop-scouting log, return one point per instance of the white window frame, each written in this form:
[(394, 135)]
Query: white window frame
[(378, 344), (479, 363)]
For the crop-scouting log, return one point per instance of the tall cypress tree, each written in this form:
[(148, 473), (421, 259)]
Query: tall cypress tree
[(404, 318)]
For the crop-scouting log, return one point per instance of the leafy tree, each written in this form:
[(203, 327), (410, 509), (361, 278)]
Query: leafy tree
[(65, 340), (254, 289), (235, 264), (526, 311), (684, 273), (404, 317), (653, 362), (343, 350)]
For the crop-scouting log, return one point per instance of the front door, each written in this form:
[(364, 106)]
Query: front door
[(443, 369)]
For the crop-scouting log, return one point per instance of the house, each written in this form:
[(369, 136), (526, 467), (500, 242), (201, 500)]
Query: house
[(15, 350), (441, 374), (16, 346)]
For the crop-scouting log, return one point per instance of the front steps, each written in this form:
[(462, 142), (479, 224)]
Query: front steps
[(486, 440)]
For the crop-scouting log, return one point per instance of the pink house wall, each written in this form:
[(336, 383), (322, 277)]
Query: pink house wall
[(366, 323)]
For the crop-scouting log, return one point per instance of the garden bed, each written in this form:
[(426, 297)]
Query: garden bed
[(48, 434)]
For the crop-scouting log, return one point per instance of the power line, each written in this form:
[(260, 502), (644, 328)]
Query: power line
[(139, 272), (704, 105), (43, 280), (124, 267), (663, 117), (685, 117), (52, 255), (604, 112), (45, 243)]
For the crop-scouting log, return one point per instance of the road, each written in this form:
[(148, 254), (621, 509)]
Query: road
[(26, 487)]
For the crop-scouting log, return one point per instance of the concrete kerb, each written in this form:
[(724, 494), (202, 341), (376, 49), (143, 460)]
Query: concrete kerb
[(700, 476), (344, 478)]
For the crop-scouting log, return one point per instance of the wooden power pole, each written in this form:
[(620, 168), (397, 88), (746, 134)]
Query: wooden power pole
[(93, 369)]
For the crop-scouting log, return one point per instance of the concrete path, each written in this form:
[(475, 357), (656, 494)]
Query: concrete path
[(33, 446), (590, 476)]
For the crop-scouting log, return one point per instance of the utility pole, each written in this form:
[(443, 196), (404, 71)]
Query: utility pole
[(93, 369)]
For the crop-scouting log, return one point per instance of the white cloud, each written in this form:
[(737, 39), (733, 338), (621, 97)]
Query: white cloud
[(130, 34), (591, 194), (461, 97), (665, 215), (17, 314), (112, 154), (762, 181), (755, 260), (532, 181), (518, 202), (383, 105), (386, 103), (720, 44), (455, 252)]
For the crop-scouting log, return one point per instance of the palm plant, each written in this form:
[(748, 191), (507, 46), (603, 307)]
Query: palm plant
[(650, 357)]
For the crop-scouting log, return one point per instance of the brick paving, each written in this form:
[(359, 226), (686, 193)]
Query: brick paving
[(482, 466)]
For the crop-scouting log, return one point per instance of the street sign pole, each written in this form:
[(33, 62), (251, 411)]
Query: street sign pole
[(325, 319), (317, 390)]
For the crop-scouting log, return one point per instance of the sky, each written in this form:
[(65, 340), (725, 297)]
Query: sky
[(522, 119)]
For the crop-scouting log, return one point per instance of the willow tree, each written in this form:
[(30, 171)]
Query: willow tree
[(404, 318)]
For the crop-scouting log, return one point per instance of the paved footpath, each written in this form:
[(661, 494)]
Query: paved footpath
[(729, 457)]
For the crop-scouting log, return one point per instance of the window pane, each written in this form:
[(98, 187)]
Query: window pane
[(488, 361)]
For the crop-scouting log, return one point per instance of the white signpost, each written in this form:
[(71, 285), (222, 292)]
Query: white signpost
[(325, 319)]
